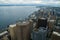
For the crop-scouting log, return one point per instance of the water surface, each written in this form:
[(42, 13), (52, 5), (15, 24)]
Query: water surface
[(11, 14)]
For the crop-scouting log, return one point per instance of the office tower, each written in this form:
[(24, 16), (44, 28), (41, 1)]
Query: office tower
[(39, 34), (23, 30), (55, 36), (12, 32), (51, 27), (5, 37), (51, 24), (53, 17), (42, 22)]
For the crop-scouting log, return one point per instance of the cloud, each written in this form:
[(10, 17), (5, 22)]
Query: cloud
[(11, 1), (29, 2)]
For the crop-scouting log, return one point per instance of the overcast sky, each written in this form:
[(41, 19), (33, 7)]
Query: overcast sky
[(29, 1)]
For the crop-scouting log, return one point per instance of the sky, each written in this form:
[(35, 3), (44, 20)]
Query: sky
[(29, 2)]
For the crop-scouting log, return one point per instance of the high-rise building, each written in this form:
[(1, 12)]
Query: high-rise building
[(51, 27), (51, 23), (55, 36), (23, 30), (5, 37), (42, 22), (12, 32)]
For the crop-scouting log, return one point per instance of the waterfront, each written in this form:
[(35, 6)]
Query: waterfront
[(43, 21), (11, 14)]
